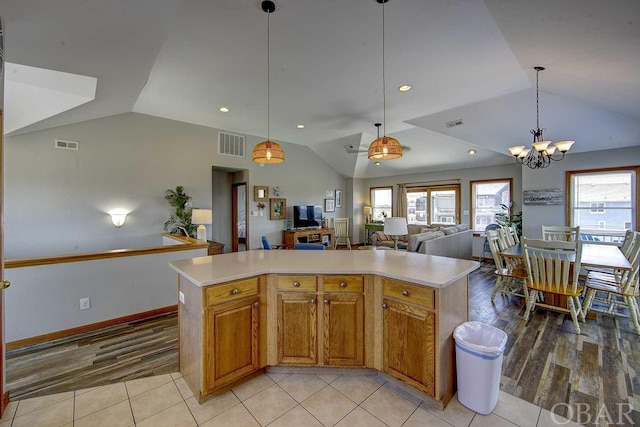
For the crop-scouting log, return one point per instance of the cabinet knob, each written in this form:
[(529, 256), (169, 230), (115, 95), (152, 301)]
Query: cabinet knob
[(326, 301), (343, 285), (405, 293), (255, 304), (234, 292), (296, 284), (313, 301), (384, 306)]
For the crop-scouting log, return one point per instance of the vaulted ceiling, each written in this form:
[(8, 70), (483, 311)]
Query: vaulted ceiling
[(466, 60)]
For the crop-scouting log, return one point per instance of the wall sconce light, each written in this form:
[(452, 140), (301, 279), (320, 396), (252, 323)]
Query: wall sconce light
[(118, 216), (201, 216)]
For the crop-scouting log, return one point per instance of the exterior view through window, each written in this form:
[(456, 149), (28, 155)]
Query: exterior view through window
[(433, 205), (603, 203), (381, 201), (486, 198)]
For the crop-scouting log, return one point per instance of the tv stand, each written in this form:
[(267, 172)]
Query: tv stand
[(321, 236)]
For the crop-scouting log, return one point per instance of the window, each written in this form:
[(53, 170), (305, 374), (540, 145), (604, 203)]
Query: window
[(381, 201), (486, 198), (433, 204), (590, 191)]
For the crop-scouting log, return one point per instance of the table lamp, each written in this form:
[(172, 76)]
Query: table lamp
[(201, 217), (395, 226), (368, 210)]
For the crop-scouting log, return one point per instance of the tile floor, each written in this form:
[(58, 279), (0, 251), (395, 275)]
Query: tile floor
[(272, 399)]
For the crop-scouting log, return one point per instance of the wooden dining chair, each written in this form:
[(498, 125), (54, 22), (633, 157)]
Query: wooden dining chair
[(559, 232), (341, 232), (505, 242), (607, 292), (508, 280), (550, 270), (513, 232)]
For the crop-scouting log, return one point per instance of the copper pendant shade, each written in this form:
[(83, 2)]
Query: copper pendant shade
[(385, 148), (268, 152)]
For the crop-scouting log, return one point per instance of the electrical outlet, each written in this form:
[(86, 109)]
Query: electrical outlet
[(85, 303), (181, 297)]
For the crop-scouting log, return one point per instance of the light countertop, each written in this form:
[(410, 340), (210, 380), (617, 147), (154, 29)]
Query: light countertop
[(429, 270)]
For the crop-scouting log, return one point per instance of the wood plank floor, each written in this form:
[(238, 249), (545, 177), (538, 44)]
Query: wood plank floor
[(545, 362)]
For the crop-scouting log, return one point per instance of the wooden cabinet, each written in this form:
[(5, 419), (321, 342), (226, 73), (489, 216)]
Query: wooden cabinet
[(215, 248), (343, 320), (409, 337), (297, 320), (331, 317), (321, 236), (232, 336), (231, 332), (222, 333)]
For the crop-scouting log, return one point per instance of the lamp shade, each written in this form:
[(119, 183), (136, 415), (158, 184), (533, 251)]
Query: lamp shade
[(268, 152), (201, 216), (396, 226), (368, 210)]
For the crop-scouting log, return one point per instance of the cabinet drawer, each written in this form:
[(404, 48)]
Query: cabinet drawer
[(232, 291), (296, 283), (352, 283), (408, 292)]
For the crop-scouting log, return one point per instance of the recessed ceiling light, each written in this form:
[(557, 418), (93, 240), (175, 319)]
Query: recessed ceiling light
[(224, 109), (404, 88), (300, 126), (472, 152), (376, 163)]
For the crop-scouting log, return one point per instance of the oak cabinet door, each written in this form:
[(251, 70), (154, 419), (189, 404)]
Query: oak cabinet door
[(410, 344), (297, 326), (231, 341), (343, 329)]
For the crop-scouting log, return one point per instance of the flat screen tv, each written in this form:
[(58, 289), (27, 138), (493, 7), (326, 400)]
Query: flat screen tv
[(307, 216)]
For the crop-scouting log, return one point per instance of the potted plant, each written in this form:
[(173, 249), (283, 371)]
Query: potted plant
[(180, 220), (506, 218)]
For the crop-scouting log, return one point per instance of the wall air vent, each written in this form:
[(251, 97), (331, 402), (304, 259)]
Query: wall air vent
[(230, 145), (454, 123), (66, 145)]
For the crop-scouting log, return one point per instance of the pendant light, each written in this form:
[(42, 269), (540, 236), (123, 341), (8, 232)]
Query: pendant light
[(385, 148), (268, 152), (540, 154)]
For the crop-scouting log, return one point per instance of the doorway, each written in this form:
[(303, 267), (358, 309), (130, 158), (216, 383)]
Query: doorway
[(239, 230)]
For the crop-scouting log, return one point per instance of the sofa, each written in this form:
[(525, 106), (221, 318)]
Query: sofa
[(454, 241)]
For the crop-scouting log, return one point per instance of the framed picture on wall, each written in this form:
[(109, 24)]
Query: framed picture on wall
[(260, 192), (329, 205), (278, 209), (338, 198)]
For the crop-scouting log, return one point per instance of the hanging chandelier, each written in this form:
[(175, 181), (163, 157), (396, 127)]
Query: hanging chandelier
[(385, 148), (541, 152), (268, 152)]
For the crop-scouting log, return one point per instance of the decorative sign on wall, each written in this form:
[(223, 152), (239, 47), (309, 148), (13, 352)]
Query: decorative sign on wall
[(544, 197)]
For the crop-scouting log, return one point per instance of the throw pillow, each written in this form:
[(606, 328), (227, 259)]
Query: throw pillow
[(449, 230), (381, 236)]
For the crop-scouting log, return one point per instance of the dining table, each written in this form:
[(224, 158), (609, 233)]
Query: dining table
[(594, 255)]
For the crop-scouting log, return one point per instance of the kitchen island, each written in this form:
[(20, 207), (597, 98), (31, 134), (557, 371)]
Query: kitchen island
[(391, 312)]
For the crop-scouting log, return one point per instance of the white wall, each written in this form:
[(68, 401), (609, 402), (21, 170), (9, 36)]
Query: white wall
[(45, 299), (56, 200), (533, 216)]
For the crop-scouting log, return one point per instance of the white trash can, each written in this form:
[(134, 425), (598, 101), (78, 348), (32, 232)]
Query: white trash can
[(479, 350)]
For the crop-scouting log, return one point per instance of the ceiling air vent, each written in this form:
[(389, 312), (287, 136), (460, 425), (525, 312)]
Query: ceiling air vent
[(454, 123), (66, 145), (230, 145)]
